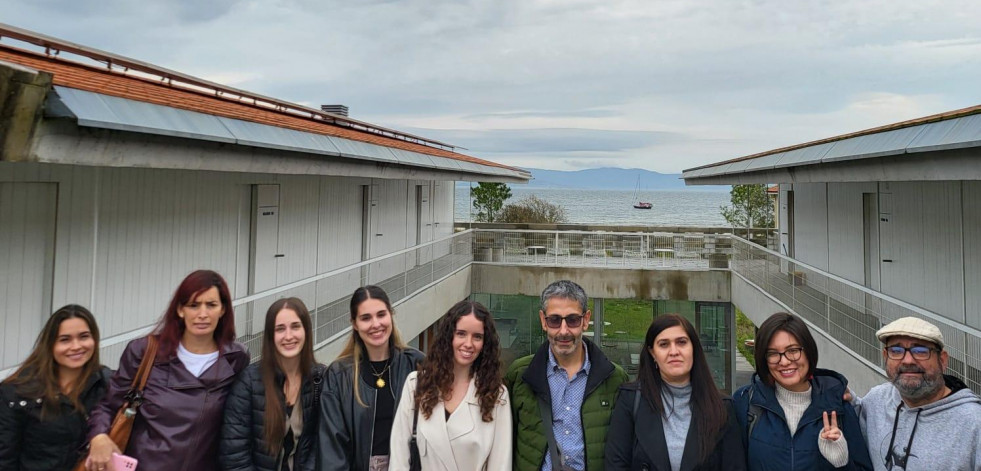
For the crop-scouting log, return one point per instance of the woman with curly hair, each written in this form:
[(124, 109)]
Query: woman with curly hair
[(456, 404)]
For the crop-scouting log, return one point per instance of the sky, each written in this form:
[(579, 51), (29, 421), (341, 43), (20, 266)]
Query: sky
[(662, 85)]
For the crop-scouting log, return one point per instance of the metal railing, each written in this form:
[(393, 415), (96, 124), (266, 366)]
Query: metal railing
[(850, 313), (648, 250), (401, 274)]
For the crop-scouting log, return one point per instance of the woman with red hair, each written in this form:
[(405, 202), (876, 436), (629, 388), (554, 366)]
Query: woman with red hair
[(178, 423)]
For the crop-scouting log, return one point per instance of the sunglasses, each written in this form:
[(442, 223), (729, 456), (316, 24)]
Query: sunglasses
[(572, 321)]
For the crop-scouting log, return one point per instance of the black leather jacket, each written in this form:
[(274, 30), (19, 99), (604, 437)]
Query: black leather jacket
[(242, 445), (345, 426), (29, 443)]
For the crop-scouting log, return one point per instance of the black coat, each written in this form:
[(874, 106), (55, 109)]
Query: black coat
[(636, 440), (243, 445), (29, 443), (346, 426)]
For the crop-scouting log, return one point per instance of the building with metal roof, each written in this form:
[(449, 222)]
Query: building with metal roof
[(118, 177), (874, 225)]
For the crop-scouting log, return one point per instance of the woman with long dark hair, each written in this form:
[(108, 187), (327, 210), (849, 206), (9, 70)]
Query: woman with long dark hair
[(673, 417), (270, 421), (44, 405), (362, 387), (792, 411), (177, 425), (457, 399)]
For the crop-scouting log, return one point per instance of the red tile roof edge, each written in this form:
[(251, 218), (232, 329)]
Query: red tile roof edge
[(889, 127), (72, 74)]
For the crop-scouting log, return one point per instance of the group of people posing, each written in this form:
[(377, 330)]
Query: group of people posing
[(382, 405)]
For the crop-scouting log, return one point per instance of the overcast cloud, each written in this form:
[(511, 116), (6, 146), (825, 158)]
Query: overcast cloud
[(564, 84)]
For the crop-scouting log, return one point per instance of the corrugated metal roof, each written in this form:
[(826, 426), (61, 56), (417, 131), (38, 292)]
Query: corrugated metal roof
[(763, 163), (109, 112), (874, 145), (805, 156), (408, 157), (953, 133)]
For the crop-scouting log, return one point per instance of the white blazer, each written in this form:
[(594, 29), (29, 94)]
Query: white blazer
[(463, 443)]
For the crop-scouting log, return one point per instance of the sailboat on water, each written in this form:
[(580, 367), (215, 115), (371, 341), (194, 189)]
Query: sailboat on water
[(640, 204)]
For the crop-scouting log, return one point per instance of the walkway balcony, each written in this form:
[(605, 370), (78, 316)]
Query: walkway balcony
[(708, 269)]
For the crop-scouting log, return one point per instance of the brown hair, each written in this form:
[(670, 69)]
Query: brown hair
[(355, 348), (274, 417), (435, 378), (37, 377)]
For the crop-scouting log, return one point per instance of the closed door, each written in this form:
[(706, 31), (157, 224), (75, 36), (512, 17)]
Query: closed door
[(265, 250), (27, 234)]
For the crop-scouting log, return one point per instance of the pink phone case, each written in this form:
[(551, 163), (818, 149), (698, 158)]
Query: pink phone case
[(123, 462)]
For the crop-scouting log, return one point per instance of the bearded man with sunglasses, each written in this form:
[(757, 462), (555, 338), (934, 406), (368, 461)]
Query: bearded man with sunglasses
[(563, 395), (922, 419)]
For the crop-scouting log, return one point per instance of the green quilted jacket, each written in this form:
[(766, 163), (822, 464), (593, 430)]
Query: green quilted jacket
[(526, 380)]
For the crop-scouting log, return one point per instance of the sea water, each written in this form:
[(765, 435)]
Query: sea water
[(615, 207)]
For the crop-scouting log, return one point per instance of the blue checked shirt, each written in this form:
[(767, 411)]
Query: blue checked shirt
[(567, 397)]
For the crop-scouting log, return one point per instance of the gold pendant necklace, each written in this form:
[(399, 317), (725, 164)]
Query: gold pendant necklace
[(378, 375)]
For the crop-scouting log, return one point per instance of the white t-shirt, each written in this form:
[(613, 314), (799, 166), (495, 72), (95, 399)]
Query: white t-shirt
[(196, 363)]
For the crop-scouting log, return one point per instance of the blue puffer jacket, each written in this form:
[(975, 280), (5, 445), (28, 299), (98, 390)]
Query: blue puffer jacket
[(770, 445)]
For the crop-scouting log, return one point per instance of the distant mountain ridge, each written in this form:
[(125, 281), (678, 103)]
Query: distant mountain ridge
[(609, 178)]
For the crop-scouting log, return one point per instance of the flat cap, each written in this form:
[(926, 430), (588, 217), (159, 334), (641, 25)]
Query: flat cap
[(912, 327)]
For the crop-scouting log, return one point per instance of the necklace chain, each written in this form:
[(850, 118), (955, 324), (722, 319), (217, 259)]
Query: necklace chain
[(379, 381)]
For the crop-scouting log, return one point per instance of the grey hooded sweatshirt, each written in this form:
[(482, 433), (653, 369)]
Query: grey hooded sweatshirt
[(943, 435)]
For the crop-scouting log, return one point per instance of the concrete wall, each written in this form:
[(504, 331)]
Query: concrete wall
[(712, 286), (831, 355)]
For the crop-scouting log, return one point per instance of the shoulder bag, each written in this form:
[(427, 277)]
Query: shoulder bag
[(122, 424)]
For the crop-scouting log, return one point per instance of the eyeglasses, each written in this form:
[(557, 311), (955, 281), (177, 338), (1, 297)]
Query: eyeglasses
[(919, 352), (554, 321), (792, 354)]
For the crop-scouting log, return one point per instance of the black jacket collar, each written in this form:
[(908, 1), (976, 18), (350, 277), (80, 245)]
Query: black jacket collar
[(537, 373)]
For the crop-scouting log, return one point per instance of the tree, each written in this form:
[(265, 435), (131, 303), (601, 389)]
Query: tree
[(532, 210), (751, 207), (488, 198)]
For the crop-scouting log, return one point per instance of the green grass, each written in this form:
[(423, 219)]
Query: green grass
[(745, 330), (632, 316)]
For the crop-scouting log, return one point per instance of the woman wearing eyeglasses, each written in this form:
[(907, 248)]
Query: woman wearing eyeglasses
[(793, 414)]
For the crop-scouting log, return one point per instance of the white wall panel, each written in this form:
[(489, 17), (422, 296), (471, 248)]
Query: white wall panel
[(926, 247), (27, 225), (846, 230), (811, 224), (388, 215), (443, 197), (125, 237), (972, 251), (153, 228)]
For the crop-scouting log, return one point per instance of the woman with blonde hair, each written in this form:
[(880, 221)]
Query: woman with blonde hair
[(363, 386)]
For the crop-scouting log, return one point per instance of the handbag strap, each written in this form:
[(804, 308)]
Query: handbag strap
[(553, 448), (143, 373), (415, 421)]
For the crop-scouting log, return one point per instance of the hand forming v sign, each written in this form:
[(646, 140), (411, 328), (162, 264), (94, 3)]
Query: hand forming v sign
[(831, 430)]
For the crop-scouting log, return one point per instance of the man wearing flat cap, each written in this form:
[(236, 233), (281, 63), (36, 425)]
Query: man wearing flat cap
[(922, 419)]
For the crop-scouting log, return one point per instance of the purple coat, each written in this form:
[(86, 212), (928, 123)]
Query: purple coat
[(177, 427)]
